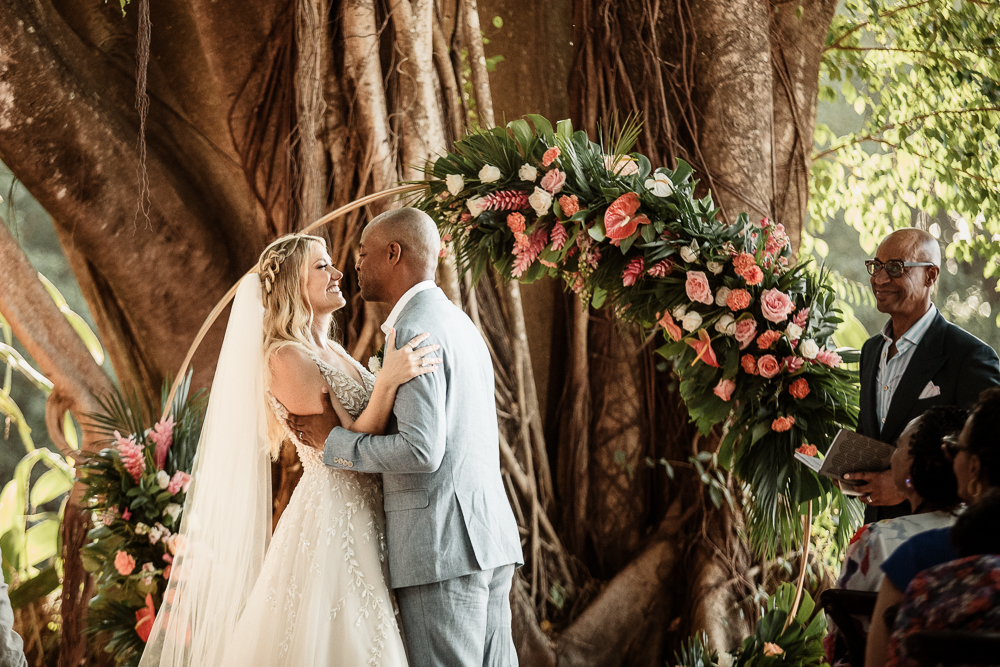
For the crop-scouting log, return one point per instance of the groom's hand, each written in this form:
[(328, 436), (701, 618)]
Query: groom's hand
[(312, 430)]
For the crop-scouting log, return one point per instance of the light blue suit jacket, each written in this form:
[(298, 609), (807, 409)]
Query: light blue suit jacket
[(447, 513)]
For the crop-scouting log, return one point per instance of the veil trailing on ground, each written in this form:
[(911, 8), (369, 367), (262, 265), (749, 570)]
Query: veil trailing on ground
[(227, 514)]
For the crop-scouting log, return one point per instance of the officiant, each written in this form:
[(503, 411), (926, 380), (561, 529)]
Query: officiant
[(917, 361)]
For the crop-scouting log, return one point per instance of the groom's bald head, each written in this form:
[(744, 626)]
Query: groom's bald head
[(398, 250)]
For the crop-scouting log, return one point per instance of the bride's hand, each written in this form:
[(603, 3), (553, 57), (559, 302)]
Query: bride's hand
[(409, 361)]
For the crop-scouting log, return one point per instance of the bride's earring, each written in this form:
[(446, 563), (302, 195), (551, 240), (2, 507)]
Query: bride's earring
[(908, 482)]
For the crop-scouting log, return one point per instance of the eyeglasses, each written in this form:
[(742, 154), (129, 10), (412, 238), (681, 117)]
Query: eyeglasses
[(951, 446), (893, 267)]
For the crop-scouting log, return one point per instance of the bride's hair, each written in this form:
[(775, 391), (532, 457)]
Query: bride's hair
[(288, 316)]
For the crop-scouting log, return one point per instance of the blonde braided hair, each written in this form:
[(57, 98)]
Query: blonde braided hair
[(288, 316)]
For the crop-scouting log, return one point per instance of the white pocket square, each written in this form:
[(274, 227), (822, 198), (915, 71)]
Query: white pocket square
[(929, 391)]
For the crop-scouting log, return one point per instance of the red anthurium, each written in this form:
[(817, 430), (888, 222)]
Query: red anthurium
[(703, 346), (667, 322), (145, 618), (619, 222)]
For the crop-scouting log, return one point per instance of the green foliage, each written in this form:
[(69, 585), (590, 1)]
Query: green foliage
[(925, 78), (800, 645), (695, 652), (625, 235)]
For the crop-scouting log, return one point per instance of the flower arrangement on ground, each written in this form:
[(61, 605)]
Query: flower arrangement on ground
[(135, 489), (749, 332)]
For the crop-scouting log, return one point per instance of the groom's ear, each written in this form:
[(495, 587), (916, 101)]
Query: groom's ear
[(395, 253)]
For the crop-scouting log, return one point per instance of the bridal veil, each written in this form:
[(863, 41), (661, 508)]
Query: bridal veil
[(227, 515)]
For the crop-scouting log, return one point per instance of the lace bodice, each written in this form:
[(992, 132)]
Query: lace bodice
[(353, 395)]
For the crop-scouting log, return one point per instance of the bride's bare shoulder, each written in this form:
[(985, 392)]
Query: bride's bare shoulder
[(296, 380)]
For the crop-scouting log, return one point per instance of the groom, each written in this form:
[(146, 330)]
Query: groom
[(453, 542)]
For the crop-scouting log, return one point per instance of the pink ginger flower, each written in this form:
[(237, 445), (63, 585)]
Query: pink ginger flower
[(528, 254), (662, 268), (179, 482), (131, 455), (559, 237), (633, 271), (801, 318), (793, 364), (829, 358), (163, 436)]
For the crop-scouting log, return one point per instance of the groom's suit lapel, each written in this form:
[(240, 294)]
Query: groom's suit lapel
[(926, 361)]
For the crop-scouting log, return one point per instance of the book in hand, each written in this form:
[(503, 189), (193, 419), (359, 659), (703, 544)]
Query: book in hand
[(850, 452)]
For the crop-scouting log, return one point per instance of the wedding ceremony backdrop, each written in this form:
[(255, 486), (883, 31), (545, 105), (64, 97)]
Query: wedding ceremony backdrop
[(646, 431)]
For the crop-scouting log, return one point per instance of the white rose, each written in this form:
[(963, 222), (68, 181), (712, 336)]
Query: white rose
[(541, 201), (726, 325), (173, 510), (660, 185), (476, 206), (527, 173), (793, 331), (721, 295), (455, 183), (162, 479), (691, 321), (374, 365), (808, 349), (690, 253), (714, 267), (489, 174), (679, 312), (141, 529)]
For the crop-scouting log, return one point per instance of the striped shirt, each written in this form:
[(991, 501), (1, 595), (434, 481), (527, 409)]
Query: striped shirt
[(890, 371)]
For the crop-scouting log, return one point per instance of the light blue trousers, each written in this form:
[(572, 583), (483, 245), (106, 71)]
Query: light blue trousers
[(461, 622)]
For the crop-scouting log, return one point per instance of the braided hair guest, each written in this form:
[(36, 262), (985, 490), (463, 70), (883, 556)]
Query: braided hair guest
[(314, 593)]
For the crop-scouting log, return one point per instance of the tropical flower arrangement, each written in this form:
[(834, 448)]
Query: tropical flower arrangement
[(135, 489), (750, 333)]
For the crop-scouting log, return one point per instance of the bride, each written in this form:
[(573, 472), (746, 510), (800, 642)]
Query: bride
[(315, 593)]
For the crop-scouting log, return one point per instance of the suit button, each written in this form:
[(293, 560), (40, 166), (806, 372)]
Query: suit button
[(886, 387), (883, 420)]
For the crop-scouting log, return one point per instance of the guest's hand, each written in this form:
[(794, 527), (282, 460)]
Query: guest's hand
[(312, 430), (876, 488)]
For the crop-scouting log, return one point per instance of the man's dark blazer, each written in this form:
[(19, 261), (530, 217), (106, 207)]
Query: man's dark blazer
[(957, 362)]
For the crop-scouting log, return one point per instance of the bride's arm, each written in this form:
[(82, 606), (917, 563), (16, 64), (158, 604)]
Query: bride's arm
[(399, 366), (297, 383)]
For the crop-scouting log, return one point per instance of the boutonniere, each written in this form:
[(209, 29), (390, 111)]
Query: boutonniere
[(375, 362)]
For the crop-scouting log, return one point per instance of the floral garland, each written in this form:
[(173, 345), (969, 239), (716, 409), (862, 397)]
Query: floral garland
[(135, 490), (750, 335)]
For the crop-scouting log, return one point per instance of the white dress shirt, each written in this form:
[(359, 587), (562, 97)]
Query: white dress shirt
[(390, 321), (890, 371)]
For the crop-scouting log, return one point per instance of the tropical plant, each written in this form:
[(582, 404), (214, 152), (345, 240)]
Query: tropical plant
[(136, 490), (749, 334), (778, 641), (29, 526)]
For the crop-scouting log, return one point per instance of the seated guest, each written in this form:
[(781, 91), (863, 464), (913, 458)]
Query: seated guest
[(11, 653), (961, 595), (923, 475), (975, 455)]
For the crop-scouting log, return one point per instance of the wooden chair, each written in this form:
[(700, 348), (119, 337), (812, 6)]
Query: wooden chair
[(841, 605), (953, 647)]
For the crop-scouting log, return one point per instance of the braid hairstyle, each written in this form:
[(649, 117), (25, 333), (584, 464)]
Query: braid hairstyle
[(930, 470), (288, 316)]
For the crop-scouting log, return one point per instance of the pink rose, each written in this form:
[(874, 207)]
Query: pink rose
[(724, 389), (768, 366), (179, 482), (124, 563), (697, 288), (554, 181), (550, 156), (775, 305), (746, 331)]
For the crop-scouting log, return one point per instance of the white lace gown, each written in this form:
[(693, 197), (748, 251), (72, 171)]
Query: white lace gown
[(322, 598)]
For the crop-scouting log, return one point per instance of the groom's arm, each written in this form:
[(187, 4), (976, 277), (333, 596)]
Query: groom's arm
[(419, 444)]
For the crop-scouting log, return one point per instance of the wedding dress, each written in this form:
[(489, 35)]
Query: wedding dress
[(321, 598), (312, 594)]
